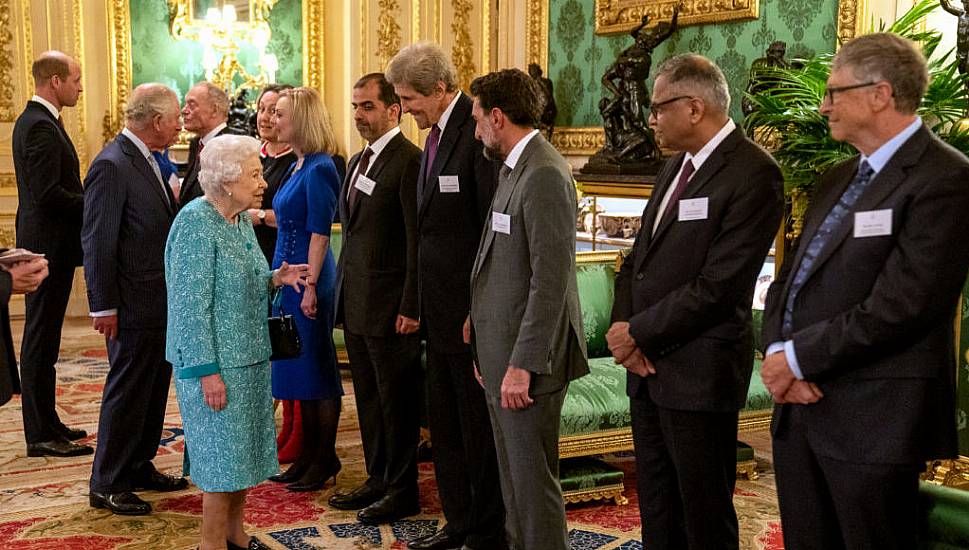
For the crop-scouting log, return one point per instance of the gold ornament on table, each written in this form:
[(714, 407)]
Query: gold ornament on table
[(222, 29)]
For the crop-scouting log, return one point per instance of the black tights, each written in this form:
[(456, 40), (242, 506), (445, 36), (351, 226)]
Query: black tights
[(318, 460)]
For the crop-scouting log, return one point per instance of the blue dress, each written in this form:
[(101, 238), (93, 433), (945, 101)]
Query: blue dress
[(305, 204), (218, 287)]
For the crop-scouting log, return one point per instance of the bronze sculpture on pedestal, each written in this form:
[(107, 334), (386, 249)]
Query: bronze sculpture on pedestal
[(760, 78)]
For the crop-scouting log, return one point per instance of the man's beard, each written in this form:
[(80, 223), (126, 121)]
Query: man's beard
[(491, 153)]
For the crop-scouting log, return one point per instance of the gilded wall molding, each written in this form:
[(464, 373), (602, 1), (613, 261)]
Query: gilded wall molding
[(313, 44), (119, 46), (588, 140), (619, 16), (462, 52), (79, 136), (7, 56), (388, 31), (8, 184)]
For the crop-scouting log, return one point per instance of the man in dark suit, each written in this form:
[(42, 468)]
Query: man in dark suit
[(20, 278), (205, 114), (377, 303), (681, 316), (51, 202), (454, 191), (128, 210), (525, 325), (859, 321)]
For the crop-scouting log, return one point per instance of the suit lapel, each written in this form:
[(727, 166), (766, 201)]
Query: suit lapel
[(884, 183), (345, 189), (663, 182), (373, 172), (60, 129), (449, 138), (141, 164)]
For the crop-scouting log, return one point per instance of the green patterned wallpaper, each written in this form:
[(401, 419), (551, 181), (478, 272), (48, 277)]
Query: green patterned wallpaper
[(577, 57), (157, 57)]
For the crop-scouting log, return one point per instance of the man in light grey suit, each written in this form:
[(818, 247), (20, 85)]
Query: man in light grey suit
[(525, 326)]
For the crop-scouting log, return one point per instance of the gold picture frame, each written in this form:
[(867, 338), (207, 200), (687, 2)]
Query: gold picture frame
[(584, 141), (619, 16), (119, 42)]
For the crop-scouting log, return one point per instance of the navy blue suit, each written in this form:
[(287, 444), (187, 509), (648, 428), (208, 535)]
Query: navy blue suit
[(126, 221)]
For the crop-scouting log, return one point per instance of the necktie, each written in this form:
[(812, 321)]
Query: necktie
[(503, 174), (361, 170), (680, 187), (430, 147), (820, 239), (154, 166)]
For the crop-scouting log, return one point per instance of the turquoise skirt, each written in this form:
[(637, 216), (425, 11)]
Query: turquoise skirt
[(235, 448)]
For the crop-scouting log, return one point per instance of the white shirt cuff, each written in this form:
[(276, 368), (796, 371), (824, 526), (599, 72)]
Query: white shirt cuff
[(105, 313)]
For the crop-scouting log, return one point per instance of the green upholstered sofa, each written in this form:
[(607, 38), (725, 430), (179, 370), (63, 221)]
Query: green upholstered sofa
[(595, 417), (943, 518)]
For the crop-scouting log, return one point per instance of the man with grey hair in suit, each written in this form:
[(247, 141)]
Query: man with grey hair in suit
[(525, 325), (128, 210), (205, 113)]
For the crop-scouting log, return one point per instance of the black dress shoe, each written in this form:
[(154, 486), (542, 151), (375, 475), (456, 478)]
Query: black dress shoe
[(125, 504), (58, 447), (293, 473), (157, 481), (388, 510), (254, 544), (441, 540), (361, 497), (71, 434)]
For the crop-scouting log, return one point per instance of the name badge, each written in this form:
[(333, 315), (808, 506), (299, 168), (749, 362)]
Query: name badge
[(693, 209), (501, 223), (449, 184), (365, 184), (873, 223)]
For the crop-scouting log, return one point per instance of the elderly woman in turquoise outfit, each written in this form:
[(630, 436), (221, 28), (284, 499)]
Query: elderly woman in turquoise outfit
[(218, 338)]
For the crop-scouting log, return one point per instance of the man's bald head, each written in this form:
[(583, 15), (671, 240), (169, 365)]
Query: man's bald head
[(51, 63)]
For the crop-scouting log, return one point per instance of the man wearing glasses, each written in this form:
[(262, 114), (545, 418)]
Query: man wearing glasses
[(681, 316), (859, 321)]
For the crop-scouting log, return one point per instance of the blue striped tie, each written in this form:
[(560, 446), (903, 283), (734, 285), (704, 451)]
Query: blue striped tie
[(820, 239)]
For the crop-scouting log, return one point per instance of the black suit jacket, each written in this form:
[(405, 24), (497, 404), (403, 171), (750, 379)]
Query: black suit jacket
[(191, 189), (9, 380), (126, 223), (377, 277), (872, 324), (51, 200), (687, 289), (449, 227)]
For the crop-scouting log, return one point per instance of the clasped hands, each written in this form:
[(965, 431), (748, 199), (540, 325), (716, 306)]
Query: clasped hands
[(625, 352), (783, 385)]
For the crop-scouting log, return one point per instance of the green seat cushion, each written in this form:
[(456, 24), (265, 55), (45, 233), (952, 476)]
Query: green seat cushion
[(338, 341), (944, 517), (585, 473), (597, 401), (596, 284), (744, 452), (758, 398)]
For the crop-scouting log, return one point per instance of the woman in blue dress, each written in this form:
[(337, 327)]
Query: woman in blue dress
[(304, 208), (218, 341)]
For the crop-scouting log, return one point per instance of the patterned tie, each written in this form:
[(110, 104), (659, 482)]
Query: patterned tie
[(430, 147), (820, 238), (361, 171), (155, 168), (503, 174), (680, 186)]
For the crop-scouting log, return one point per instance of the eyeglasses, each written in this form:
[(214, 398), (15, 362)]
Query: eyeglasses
[(655, 107), (830, 91)]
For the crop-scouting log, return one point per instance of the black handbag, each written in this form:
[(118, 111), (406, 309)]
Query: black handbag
[(283, 335)]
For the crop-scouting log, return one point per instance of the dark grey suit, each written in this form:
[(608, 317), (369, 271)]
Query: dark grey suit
[(872, 327), (376, 281), (525, 313), (51, 202), (126, 221)]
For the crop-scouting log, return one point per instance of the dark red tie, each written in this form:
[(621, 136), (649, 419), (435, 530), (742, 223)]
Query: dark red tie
[(361, 170), (680, 187), (430, 147)]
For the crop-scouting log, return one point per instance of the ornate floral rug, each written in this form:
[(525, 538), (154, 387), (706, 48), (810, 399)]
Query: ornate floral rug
[(43, 501)]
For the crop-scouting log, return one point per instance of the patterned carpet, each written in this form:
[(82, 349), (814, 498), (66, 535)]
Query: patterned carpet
[(43, 501)]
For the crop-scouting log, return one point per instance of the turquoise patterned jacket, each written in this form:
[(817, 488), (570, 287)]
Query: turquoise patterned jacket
[(218, 293)]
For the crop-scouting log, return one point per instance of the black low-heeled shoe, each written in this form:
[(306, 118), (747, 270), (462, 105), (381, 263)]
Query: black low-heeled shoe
[(254, 544), (293, 473), (305, 486)]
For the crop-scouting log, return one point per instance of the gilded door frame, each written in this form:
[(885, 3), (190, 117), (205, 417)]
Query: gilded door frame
[(119, 44), (578, 140)]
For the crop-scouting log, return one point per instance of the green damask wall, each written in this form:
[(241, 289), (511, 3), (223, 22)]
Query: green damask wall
[(577, 57), (157, 57)]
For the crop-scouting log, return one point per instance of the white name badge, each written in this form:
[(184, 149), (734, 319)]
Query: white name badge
[(873, 223), (365, 184), (501, 223), (693, 209), (449, 184)]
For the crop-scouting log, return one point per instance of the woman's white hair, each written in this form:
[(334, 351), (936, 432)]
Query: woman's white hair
[(221, 162)]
